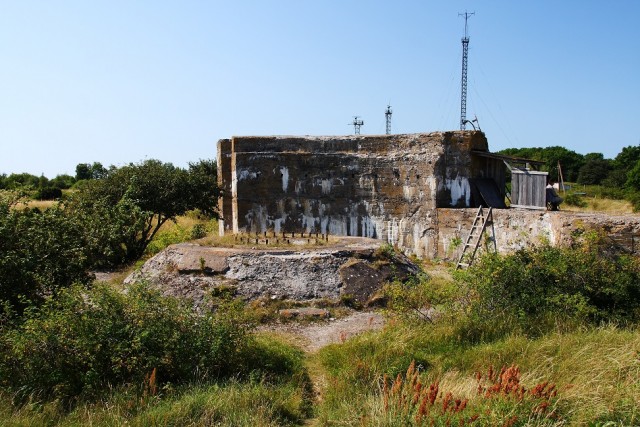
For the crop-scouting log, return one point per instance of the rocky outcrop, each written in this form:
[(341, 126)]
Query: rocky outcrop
[(353, 267)]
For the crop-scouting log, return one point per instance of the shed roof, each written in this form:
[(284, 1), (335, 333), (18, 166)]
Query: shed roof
[(508, 159)]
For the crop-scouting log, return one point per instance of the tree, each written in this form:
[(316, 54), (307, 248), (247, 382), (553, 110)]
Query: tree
[(595, 169), (569, 160), (627, 158), (63, 181), (48, 193), (633, 178), (17, 181), (593, 156), (128, 206), (98, 171), (83, 171), (203, 180)]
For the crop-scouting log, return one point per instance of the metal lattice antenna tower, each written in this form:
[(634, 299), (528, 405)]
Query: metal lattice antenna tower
[(357, 122), (387, 116), (465, 57)]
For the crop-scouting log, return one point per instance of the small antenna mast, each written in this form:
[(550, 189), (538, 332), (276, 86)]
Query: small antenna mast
[(465, 57), (357, 123), (387, 116)]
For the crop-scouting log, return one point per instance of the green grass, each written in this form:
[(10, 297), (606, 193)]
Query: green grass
[(181, 230), (596, 371), (276, 393), (233, 403)]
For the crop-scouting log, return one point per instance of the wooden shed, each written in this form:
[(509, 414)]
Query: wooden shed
[(528, 189), (528, 186)]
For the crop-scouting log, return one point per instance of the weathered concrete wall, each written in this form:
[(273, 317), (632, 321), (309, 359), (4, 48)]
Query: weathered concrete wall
[(224, 183), (520, 228), (385, 187)]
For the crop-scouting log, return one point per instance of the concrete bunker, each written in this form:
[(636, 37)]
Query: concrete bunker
[(387, 187)]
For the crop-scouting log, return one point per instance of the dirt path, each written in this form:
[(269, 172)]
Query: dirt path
[(313, 336)]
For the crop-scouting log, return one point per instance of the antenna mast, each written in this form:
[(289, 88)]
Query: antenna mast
[(387, 116), (357, 122), (465, 57)]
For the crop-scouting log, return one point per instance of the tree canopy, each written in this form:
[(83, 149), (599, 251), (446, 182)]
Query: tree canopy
[(107, 222), (127, 206)]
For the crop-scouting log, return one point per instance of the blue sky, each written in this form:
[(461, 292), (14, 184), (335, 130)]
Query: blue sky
[(123, 81)]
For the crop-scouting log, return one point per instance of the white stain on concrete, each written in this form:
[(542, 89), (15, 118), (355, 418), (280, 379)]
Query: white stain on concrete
[(284, 171), (459, 189), (409, 192), (353, 225), (367, 182), (324, 224), (338, 226), (257, 218), (326, 185), (277, 224), (432, 186), (372, 227), (246, 174)]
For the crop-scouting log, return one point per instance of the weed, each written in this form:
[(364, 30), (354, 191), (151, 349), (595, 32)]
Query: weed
[(501, 399)]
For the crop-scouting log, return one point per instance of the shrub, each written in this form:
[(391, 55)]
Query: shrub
[(198, 231), (538, 288), (41, 252), (48, 193), (574, 199), (634, 198), (83, 342), (385, 251), (421, 297)]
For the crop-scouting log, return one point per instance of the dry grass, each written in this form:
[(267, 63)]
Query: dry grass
[(608, 206), (40, 204)]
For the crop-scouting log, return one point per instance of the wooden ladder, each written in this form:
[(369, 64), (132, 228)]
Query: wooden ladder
[(480, 224)]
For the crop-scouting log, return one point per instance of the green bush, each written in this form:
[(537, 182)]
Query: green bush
[(574, 199), (85, 341), (198, 231), (634, 198), (48, 193), (539, 288), (40, 252), (420, 298)]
